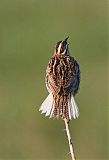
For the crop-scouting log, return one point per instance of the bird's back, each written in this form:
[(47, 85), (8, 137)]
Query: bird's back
[(62, 73)]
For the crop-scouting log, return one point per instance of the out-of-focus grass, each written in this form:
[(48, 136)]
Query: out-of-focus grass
[(28, 33)]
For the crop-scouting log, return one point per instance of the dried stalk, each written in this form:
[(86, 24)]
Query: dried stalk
[(69, 139)]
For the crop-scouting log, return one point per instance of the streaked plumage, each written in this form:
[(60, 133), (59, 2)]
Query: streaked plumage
[(62, 82)]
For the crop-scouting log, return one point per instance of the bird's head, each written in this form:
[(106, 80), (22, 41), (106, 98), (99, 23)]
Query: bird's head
[(62, 47)]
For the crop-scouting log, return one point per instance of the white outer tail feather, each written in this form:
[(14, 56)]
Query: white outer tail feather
[(74, 108), (47, 107)]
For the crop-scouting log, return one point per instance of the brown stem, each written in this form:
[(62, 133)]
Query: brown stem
[(69, 139)]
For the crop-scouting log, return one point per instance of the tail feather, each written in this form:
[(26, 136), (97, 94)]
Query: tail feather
[(63, 106), (47, 105), (60, 106), (73, 111)]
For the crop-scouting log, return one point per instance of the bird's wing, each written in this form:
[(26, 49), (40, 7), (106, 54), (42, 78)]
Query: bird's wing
[(50, 79), (75, 79)]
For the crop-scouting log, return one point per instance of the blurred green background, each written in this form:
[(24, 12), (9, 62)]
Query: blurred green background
[(29, 30)]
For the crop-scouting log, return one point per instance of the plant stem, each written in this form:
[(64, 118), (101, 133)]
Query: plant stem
[(69, 139)]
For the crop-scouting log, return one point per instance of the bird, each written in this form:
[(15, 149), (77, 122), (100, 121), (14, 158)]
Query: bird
[(62, 82)]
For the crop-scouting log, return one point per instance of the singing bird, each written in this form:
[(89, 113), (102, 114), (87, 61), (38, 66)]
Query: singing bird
[(62, 82)]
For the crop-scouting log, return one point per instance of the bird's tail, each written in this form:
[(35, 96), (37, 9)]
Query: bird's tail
[(60, 105)]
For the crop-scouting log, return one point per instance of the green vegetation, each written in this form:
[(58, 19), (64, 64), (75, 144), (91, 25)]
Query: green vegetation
[(29, 30)]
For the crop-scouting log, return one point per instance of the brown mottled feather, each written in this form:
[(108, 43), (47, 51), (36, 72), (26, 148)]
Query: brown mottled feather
[(62, 79)]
